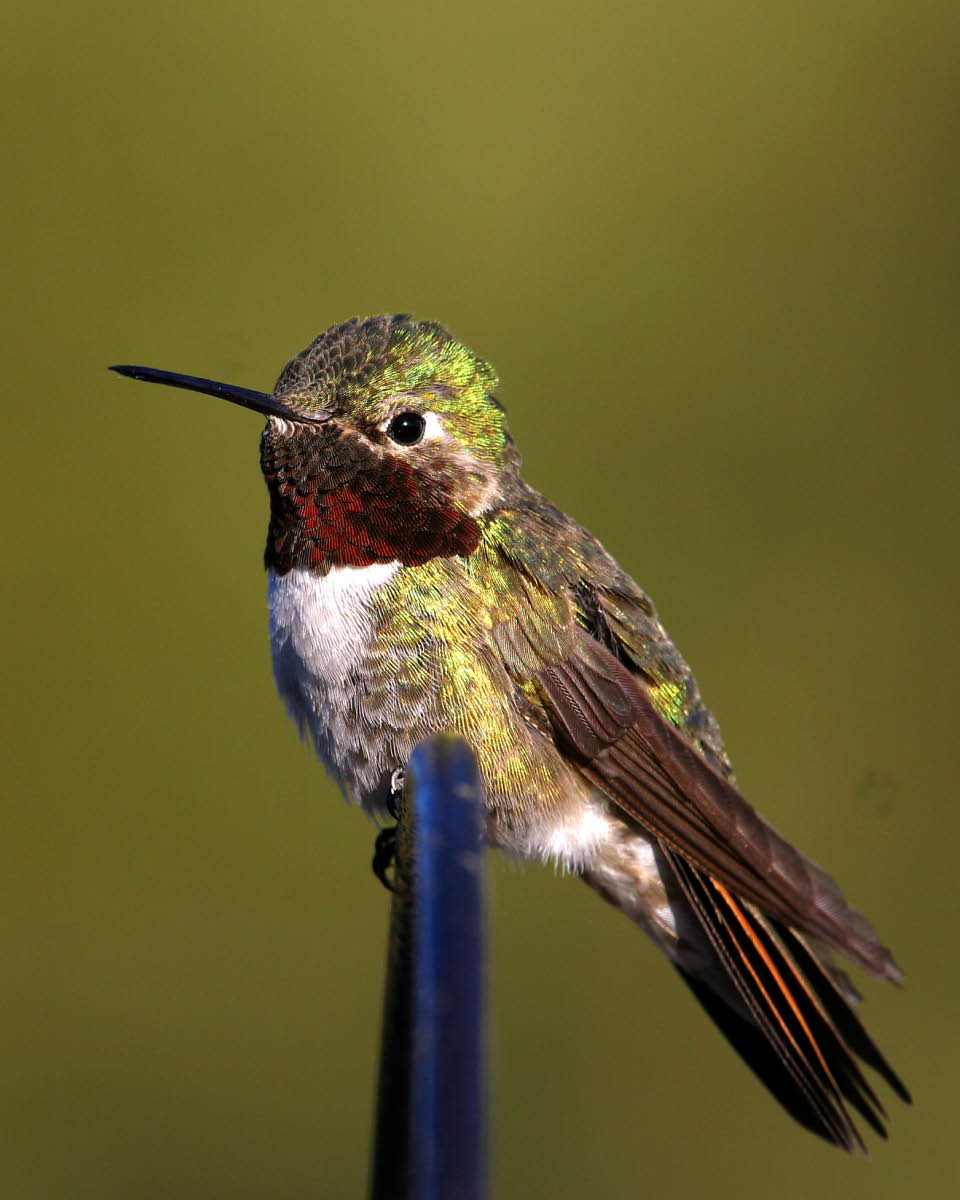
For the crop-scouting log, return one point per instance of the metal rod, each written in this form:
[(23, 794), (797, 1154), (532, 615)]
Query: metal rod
[(431, 1111), (448, 1143)]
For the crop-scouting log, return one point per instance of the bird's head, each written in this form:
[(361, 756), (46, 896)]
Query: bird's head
[(384, 442)]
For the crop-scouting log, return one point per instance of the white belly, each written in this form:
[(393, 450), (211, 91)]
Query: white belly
[(321, 630)]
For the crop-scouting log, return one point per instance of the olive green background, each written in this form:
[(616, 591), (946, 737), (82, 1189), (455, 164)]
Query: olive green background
[(713, 251)]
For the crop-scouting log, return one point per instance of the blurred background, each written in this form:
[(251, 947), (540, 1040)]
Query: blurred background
[(713, 253)]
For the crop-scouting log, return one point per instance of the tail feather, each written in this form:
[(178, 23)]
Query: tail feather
[(848, 1024), (795, 1028), (755, 1049)]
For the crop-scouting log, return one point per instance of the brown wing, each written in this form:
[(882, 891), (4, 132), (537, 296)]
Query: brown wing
[(604, 715), (606, 673)]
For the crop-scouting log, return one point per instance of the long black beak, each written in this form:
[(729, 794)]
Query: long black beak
[(260, 402)]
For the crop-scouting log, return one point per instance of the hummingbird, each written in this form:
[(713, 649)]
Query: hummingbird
[(418, 585)]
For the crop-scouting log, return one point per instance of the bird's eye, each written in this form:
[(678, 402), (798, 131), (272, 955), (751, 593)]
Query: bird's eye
[(406, 428)]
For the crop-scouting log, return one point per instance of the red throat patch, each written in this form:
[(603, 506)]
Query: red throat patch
[(350, 505)]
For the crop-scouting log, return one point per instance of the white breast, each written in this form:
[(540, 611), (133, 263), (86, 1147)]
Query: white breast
[(321, 629), (323, 623)]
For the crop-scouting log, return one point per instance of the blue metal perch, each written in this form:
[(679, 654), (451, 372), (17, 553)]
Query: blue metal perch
[(431, 1110)]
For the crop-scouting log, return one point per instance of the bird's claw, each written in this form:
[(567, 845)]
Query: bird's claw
[(398, 781)]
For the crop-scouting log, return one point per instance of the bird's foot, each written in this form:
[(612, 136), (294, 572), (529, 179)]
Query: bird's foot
[(385, 847), (384, 856)]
